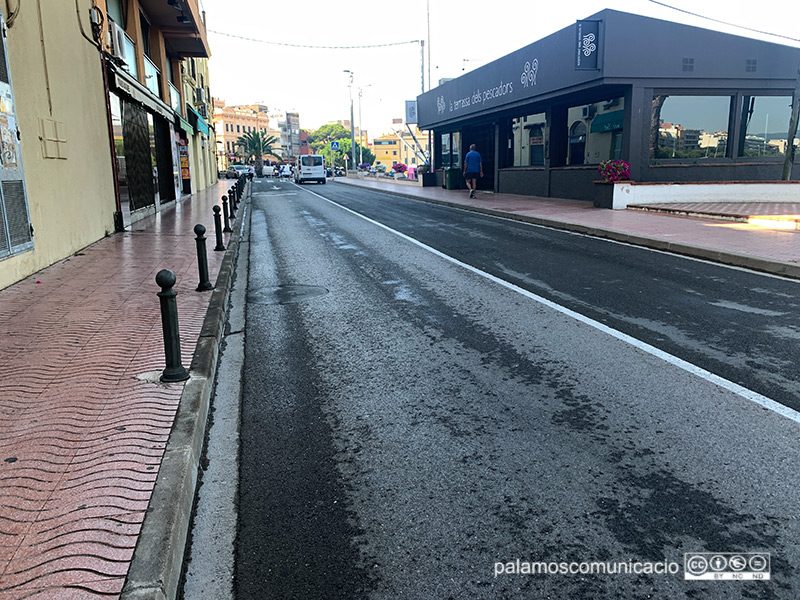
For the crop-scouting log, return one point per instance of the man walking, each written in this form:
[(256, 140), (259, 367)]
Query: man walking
[(473, 168)]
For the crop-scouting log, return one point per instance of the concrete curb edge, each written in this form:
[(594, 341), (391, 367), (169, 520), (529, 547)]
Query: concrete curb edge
[(155, 570), (784, 269)]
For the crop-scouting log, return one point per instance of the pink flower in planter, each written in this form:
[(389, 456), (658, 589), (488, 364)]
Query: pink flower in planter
[(614, 170)]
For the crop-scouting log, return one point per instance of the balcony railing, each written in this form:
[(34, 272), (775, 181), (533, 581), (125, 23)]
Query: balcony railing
[(174, 98), (152, 77)]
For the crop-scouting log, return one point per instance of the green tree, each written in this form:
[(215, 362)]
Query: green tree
[(363, 154), (257, 145), (336, 157), (330, 132)]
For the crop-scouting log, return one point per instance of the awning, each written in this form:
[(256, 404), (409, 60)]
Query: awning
[(123, 82), (196, 117), (185, 126), (607, 121)]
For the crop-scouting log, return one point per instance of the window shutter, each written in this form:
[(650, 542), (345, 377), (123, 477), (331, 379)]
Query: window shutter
[(15, 224)]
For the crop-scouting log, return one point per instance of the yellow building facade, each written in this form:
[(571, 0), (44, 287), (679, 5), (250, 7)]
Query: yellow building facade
[(52, 97)]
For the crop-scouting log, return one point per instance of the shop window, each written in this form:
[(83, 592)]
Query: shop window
[(689, 127), (765, 121), (528, 139), (577, 143), (595, 131), (444, 159)]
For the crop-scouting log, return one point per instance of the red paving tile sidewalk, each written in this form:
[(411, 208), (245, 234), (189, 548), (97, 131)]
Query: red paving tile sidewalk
[(742, 244), (82, 432)]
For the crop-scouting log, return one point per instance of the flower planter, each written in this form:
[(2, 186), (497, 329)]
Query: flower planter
[(428, 179), (603, 194)]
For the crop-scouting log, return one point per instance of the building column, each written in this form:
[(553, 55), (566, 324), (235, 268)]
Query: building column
[(557, 142), (636, 130)]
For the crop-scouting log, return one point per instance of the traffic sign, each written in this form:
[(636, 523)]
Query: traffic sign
[(335, 146)]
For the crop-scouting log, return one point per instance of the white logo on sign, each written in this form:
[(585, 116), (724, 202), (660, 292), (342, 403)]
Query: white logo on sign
[(440, 104), (529, 74), (588, 44)]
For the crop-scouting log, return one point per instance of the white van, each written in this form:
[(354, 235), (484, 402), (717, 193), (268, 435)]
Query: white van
[(310, 167)]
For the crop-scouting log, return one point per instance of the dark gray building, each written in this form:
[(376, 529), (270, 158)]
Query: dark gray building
[(679, 103)]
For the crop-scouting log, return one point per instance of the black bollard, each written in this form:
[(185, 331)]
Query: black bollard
[(202, 259), (225, 215), (232, 203), (175, 370), (218, 228)]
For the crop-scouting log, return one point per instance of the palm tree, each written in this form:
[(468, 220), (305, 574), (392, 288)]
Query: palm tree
[(257, 145)]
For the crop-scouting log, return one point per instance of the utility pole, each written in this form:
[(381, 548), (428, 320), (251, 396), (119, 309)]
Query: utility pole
[(360, 130), (352, 123), (788, 159)]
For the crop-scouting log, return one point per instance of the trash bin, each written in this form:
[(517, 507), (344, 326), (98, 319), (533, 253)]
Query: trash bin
[(451, 178)]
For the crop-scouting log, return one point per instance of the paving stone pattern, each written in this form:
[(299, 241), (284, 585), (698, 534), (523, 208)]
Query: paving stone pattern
[(81, 433)]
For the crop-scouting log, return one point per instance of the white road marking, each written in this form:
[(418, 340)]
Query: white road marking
[(737, 389)]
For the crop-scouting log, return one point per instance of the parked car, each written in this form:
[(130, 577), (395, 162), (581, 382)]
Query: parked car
[(236, 171)]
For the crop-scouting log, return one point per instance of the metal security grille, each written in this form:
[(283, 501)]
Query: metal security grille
[(16, 213), (4, 249)]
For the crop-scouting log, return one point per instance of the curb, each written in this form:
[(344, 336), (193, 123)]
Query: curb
[(155, 570), (773, 267)]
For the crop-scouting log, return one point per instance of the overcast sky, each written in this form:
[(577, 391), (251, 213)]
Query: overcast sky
[(463, 36)]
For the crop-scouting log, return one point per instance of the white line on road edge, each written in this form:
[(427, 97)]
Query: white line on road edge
[(737, 389)]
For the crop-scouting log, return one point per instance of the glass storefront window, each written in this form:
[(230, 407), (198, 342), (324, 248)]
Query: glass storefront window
[(595, 131), (451, 153), (457, 149), (447, 150), (690, 126), (528, 137), (765, 121)]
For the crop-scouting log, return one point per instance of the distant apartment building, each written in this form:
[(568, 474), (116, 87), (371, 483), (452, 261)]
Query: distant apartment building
[(401, 145), (288, 124), (231, 122)]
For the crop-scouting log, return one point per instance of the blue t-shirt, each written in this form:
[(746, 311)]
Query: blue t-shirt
[(472, 162)]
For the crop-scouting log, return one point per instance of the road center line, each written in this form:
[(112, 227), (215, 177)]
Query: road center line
[(726, 384)]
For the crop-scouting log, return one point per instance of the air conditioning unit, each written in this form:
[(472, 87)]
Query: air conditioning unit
[(200, 95), (588, 111), (116, 42)]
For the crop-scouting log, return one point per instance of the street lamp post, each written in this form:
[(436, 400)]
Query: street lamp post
[(360, 129), (352, 123)]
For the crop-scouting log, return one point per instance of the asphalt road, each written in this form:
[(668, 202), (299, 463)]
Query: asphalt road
[(410, 427)]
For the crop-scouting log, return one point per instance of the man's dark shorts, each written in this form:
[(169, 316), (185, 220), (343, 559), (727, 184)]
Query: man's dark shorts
[(472, 175)]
